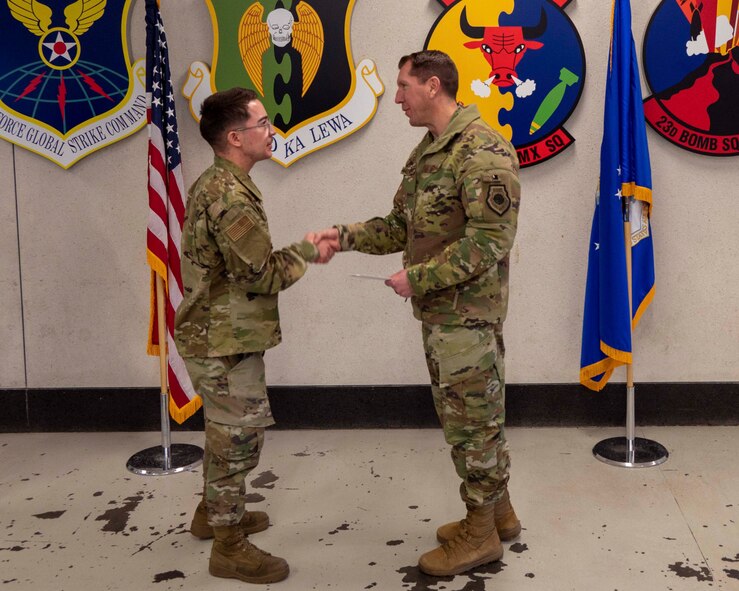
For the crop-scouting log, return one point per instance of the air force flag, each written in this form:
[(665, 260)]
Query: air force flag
[(625, 193)]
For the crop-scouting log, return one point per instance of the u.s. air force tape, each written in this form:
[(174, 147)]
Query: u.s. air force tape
[(498, 199), (239, 228)]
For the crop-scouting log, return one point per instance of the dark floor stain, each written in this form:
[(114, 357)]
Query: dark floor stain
[(426, 520), (670, 539), (168, 576), (422, 581), (9, 581), (413, 506), (342, 527), (394, 542), (371, 585), (97, 494), (253, 498), (688, 572), (50, 515), (264, 480), (301, 454), (371, 563), (727, 559), (118, 518), (172, 530), (732, 573), (530, 575), (14, 548)]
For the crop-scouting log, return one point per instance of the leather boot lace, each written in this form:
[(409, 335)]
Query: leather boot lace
[(252, 550), (459, 544)]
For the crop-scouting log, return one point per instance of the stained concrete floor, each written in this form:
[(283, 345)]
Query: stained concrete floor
[(353, 510)]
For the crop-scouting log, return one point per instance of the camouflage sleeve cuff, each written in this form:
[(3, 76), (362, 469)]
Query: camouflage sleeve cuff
[(308, 250), (344, 233), (415, 278)]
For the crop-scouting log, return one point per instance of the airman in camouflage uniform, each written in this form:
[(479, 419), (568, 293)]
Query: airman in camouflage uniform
[(454, 217), (227, 319)]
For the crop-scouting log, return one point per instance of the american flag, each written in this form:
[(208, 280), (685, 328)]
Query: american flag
[(166, 210)]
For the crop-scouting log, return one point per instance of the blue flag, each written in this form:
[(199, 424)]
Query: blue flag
[(624, 192)]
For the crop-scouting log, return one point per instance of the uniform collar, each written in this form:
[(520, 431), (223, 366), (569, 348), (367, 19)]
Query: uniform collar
[(461, 118), (238, 172)]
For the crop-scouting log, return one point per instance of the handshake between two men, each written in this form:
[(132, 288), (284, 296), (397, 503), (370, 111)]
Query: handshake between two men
[(328, 243)]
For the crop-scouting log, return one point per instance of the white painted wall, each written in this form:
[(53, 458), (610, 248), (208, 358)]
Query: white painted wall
[(85, 281)]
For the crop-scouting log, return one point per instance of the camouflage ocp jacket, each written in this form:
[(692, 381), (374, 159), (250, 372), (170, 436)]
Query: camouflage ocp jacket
[(454, 217), (230, 274)]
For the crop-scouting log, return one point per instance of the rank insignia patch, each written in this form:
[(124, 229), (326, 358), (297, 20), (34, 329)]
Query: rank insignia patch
[(296, 55), (521, 62), (498, 199), (67, 86)]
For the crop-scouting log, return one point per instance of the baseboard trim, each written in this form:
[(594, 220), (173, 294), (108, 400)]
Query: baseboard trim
[(377, 407)]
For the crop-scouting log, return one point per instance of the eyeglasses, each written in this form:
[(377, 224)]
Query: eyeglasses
[(263, 124)]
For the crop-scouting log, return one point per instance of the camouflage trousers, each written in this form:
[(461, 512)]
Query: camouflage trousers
[(468, 385), (237, 410)]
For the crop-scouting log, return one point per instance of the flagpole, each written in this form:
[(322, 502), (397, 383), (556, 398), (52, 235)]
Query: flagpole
[(630, 451), (167, 458)]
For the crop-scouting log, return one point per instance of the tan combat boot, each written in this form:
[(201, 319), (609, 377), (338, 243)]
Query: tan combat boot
[(251, 522), (506, 523), (234, 557), (477, 543)]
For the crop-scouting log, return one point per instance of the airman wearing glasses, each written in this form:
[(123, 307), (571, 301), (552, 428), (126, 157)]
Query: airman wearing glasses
[(227, 319)]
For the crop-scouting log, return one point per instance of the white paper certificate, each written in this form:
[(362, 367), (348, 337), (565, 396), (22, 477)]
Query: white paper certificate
[(363, 276)]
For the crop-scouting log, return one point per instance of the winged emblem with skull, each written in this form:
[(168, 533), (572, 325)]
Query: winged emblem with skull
[(281, 29)]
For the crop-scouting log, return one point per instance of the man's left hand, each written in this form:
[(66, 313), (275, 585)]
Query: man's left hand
[(399, 282)]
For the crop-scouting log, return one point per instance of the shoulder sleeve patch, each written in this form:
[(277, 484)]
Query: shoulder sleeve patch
[(498, 198), (240, 228)]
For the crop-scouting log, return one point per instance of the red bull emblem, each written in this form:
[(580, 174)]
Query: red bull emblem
[(521, 62), (503, 47)]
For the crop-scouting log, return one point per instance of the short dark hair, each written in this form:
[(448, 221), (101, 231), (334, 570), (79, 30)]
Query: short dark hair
[(433, 62), (222, 110)]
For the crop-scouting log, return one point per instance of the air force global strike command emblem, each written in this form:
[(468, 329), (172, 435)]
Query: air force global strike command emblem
[(296, 55), (691, 63), (67, 86), (521, 62)]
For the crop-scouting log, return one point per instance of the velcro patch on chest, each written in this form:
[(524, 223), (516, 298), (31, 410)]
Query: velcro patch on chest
[(239, 228), (498, 199)]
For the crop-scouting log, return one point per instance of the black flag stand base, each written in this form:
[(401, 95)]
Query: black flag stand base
[(166, 458), (635, 453), (630, 451), (162, 460)]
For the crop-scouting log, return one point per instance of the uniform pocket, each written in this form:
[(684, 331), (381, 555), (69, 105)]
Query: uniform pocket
[(248, 390), (464, 354)]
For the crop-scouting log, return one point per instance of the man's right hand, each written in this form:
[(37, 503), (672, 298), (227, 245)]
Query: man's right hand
[(327, 242)]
